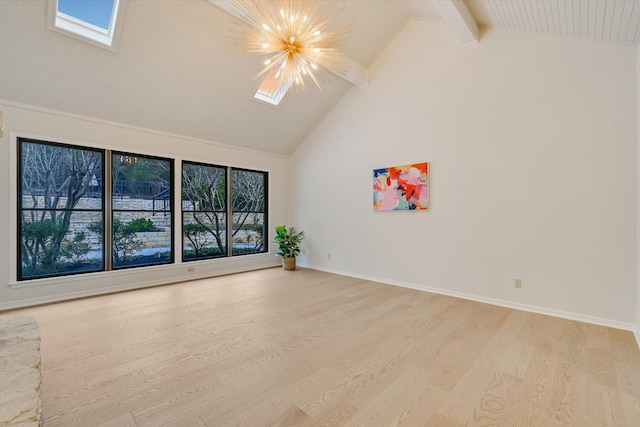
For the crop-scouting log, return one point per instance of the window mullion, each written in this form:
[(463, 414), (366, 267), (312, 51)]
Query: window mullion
[(229, 233), (108, 212)]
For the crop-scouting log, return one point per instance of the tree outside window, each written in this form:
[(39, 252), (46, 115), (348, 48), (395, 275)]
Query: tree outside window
[(204, 211)]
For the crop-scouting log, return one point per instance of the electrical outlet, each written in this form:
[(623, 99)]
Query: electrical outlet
[(191, 269), (517, 283)]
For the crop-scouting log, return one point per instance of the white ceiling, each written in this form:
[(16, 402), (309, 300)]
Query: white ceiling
[(174, 71), (616, 21)]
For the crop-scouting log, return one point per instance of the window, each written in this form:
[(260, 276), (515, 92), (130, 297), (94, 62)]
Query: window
[(248, 206), (218, 214), (204, 211), (60, 196), (96, 21), (273, 88), (83, 210), (70, 222), (142, 220)]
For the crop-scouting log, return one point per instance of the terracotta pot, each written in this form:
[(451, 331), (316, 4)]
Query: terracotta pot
[(289, 264)]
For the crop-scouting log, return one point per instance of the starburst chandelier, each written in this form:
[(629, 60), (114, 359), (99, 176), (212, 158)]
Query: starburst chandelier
[(294, 38)]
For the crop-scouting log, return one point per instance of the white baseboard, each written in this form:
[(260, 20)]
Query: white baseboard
[(502, 303)]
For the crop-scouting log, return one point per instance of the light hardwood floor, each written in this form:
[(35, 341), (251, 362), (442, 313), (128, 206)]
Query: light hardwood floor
[(301, 348)]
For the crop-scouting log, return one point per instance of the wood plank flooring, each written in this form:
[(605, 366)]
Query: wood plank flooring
[(307, 348)]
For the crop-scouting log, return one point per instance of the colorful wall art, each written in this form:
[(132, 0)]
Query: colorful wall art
[(401, 188)]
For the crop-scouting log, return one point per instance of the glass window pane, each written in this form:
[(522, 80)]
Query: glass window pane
[(140, 240), (60, 195), (204, 235), (94, 12), (143, 179), (248, 191), (204, 187), (80, 249), (248, 233)]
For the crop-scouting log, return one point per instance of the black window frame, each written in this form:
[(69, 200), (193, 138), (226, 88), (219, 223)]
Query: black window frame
[(20, 208), (226, 210), (264, 212), (229, 212), (171, 211)]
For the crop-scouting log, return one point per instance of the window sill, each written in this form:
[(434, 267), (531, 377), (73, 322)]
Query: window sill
[(177, 271)]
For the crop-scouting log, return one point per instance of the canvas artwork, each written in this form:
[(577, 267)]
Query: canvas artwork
[(401, 188)]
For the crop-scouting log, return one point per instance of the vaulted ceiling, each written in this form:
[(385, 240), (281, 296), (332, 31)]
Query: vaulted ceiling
[(174, 70)]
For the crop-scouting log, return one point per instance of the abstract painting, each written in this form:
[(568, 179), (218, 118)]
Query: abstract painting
[(401, 188)]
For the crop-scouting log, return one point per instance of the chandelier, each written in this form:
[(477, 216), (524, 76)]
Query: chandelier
[(294, 38)]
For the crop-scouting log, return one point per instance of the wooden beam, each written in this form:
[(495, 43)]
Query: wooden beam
[(457, 15), (357, 74)]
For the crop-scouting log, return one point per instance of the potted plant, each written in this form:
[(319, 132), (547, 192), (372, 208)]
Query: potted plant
[(288, 240)]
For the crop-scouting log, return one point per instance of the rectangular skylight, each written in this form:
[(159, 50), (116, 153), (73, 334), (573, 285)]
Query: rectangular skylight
[(272, 89), (96, 21)]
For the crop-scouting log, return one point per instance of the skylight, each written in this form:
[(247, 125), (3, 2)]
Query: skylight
[(96, 21), (273, 88)]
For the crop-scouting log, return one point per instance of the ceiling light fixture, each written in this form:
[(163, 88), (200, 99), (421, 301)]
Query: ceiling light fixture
[(294, 35)]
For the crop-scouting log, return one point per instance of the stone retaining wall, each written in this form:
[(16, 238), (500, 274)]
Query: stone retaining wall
[(81, 220), (160, 239)]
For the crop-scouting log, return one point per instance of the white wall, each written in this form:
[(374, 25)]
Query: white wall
[(28, 121), (532, 145)]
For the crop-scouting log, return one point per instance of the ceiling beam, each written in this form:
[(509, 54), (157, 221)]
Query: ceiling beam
[(457, 14), (357, 74)]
